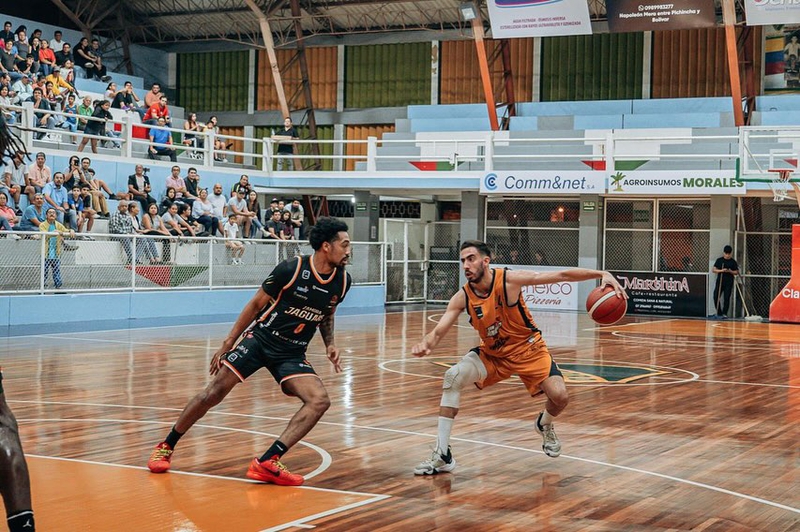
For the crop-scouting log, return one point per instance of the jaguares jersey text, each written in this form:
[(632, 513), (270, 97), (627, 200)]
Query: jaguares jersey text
[(301, 299), (506, 330)]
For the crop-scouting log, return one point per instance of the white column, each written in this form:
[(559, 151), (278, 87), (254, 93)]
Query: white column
[(436, 48), (252, 80), (340, 78)]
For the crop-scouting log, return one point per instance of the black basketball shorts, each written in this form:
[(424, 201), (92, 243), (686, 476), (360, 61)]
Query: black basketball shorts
[(251, 355)]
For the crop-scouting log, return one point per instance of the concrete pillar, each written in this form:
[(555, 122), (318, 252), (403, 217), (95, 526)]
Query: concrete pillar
[(473, 220), (723, 225), (366, 217), (589, 239), (435, 55)]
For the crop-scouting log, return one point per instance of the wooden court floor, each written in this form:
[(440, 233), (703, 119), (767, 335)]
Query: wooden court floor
[(672, 425)]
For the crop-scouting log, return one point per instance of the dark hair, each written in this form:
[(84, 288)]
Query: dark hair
[(482, 248), (3, 194), (327, 229), (172, 189), (182, 208), (727, 249)]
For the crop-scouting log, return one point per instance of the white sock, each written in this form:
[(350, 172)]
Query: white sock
[(547, 419), (443, 440)]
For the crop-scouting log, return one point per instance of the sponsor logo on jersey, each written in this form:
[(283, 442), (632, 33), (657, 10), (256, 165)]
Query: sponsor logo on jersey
[(318, 289), (306, 274), (305, 313), (232, 357), (303, 289), (478, 312)]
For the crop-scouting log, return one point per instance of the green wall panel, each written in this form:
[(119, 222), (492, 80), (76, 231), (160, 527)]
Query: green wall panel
[(323, 133), (605, 66), (213, 81), (387, 75)]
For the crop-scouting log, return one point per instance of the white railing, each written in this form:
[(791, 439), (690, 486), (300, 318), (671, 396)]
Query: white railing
[(484, 152), (122, 263)]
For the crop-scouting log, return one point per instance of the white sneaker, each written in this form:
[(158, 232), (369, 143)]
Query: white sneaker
[(550, 442), (14, 236), (437, 463)]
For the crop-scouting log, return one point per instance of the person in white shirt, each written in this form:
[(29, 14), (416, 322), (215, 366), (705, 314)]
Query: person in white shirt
[(56, 44), (238, 206), (220, 202), (235, 247)]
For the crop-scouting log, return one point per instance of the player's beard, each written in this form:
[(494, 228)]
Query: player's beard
[(480, 271)]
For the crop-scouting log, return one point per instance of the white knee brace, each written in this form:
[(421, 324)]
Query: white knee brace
[(470, 369)]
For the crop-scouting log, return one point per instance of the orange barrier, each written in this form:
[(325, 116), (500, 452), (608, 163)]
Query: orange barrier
[(786, 305)]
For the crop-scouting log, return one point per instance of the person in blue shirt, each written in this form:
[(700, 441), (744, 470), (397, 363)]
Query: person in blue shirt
[(159, 137), (34, 214), (56, 195), (75, 202)]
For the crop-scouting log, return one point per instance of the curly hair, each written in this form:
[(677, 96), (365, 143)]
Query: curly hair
[(327, 229), (10, 144)]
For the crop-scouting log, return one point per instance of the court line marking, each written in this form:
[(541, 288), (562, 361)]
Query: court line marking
[(655, 341), (228, 323), (298, 523), (326, 459), (465, 440), (711, 381), (694, 376), (607, 327)]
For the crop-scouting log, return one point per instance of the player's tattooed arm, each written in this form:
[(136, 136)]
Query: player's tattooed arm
[(326, 330)]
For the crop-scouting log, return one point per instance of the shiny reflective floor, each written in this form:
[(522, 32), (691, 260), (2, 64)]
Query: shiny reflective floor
[(672, 425)]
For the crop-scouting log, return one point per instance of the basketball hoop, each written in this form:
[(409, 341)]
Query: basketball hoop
[(780, 184)]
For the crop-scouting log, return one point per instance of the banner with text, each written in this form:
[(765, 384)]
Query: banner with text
[(558, 296), (544, 182), (538, 18), (648, 15), (675, 182), (665, 294), (766, 12)]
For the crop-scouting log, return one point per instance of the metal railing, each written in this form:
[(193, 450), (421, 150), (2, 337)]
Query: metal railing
[(483, 151), (41, 263)]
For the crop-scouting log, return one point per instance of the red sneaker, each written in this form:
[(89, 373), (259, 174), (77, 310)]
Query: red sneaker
[(274, 472), (160, 459)]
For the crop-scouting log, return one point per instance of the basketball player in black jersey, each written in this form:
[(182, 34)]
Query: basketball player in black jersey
[(299, 296), (15, 484)]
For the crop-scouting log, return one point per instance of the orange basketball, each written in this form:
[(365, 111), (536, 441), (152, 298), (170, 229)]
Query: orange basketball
[(604, 307)]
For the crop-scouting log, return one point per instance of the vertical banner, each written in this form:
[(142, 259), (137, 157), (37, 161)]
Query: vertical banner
[(767, 12), (538, 18), (649, 15), (782, 58)]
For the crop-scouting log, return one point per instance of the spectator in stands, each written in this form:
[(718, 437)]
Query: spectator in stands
[(36, 35), (167, 200), (219, 201), (244, 182), (218, 144), (59, 82), (121, 224), (254, 207), (175, 181), (235, 247), (27, 67), (192, 183), (273, 206), (138, 183), (175, 224), (97, 126), (238, 206), (35, 48), (23, 90), (292, 250), (42, 112), (53, 245), (5, 101), (56, 195), (157, 111), (56, 43), (85, 109), (34, 214), (111, 92), (74, 174), (53, 100), (99, 184), (203, 212), (145, 247), (285, 142), (161, 142), (97, 69), (39, 174), (274, 227), (153, 95), (152, 225), (298, 215), (8, 218), (70, 122), (192, 136), (88, 209), (68, 72), (13, 178), (47, 58), (185, 213), (75, 202), (127, 100), (8, 61), (6, 34), (65, 55), (21, 46)]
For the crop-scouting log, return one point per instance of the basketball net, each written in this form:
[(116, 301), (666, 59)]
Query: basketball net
[(782, 186)]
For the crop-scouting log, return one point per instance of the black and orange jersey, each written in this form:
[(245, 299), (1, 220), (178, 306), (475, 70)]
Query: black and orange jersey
[(506, 330), (301, 298)]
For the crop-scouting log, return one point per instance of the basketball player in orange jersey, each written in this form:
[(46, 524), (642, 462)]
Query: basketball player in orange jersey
[(510, 344)]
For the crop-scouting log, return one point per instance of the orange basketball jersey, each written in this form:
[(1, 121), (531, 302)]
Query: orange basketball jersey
[(506, 331)]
